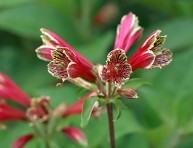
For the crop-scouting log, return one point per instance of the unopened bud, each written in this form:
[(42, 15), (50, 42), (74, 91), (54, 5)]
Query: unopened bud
[(59, 111), (127, 93)]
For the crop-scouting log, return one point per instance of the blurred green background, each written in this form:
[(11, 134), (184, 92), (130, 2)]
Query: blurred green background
[(162, 117)]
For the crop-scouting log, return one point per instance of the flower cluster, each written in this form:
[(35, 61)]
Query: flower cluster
[(68, 64), (36, 110)]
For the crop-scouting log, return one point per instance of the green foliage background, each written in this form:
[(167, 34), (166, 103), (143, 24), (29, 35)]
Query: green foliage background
[(161, 117)]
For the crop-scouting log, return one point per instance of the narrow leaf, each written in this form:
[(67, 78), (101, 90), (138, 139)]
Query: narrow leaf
[(135, 83), (87, 110)]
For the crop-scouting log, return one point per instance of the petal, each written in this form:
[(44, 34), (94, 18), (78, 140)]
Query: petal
[(21, 142), (76, 135), (148, 43), (163, 58), (51, 39), (142, 61), (9, 90), (39, 109), (76, 108), (44, 52), (57, 41), (127, 93), (117, 68), (128, 32), (58, 67), (10, 113)]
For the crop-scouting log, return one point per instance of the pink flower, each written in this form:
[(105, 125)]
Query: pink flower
[(36, 109), (65, 62), (150, 54)]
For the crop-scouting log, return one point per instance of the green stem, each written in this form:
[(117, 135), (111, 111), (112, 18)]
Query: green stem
[(111, 125)]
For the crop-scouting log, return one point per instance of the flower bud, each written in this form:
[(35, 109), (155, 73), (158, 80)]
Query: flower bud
[(127, 93)]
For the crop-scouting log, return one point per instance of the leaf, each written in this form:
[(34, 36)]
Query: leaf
[(8, 3), (28, 19), (135, 83), (132, 141), (128, 123), (182, 40), (87, 110), (118, 105)]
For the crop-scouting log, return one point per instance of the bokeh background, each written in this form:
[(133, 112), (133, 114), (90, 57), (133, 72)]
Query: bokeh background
[(162, 117)]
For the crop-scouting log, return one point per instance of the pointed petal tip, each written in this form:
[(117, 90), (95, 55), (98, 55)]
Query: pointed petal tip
[(76, 135), (21, 142)]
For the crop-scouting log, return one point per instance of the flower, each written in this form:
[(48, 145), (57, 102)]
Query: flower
[(65, 62), (150, 54), (35, 109), (117, 68)]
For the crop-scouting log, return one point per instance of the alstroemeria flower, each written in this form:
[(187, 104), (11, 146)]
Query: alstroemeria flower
[(35, 109), (151, 53), (65, 62)]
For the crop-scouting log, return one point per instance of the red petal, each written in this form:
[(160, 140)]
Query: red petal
[(10, 113), (44, 52), (76, 108), (21, 142), (76, 135), (142, 61), (9, 90)]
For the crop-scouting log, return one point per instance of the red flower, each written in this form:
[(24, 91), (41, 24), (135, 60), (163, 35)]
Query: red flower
[(34, 109), (117, 68), (151, 53), (65, 63)]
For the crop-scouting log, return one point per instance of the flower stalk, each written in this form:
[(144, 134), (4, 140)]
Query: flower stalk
[(111, 124)]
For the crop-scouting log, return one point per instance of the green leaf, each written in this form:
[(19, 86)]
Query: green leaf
[(175, 41), (118, 105), (87, 110), (135, 83), (35, 17), (8, 3)]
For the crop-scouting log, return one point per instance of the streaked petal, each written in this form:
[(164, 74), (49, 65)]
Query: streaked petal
[(117, 68), (76, 135), (148, 43), (163, 58), (21, 142)]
